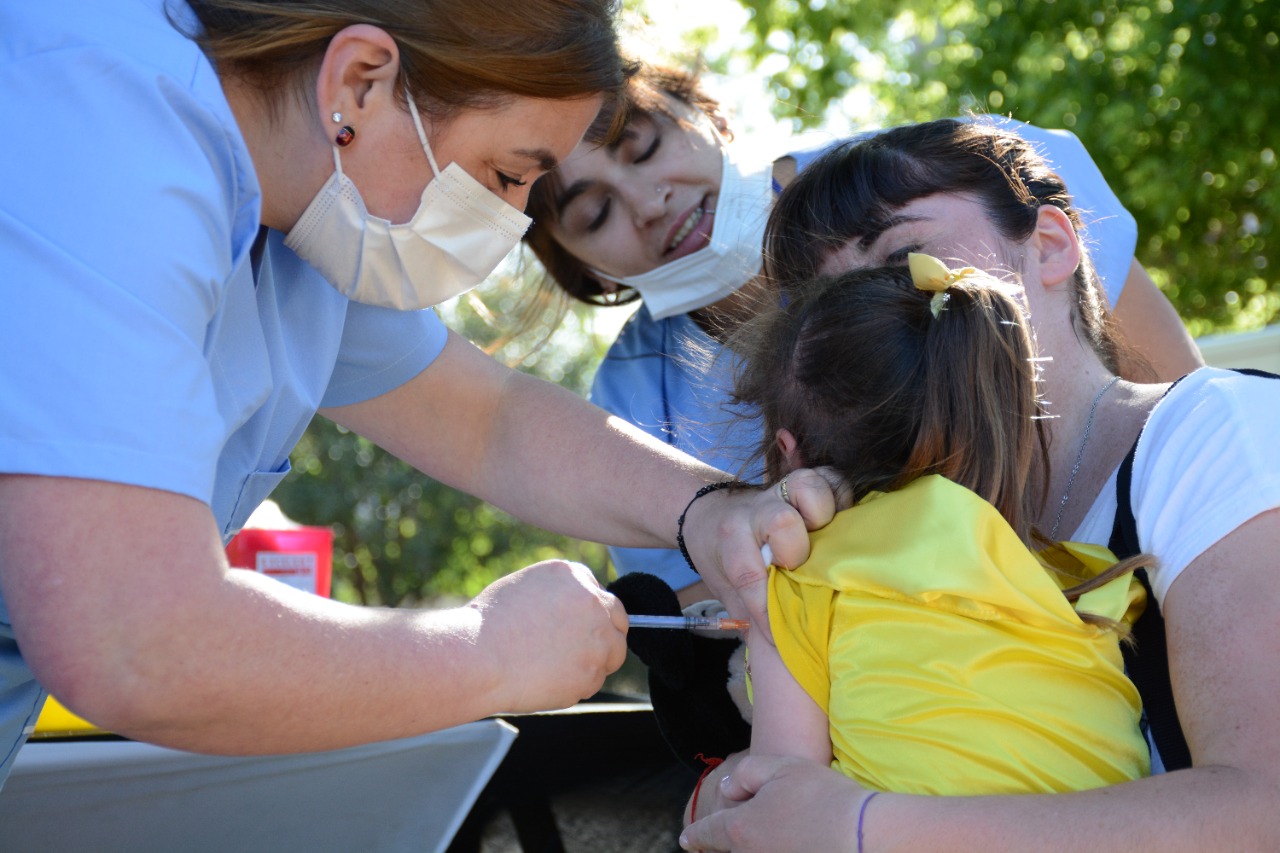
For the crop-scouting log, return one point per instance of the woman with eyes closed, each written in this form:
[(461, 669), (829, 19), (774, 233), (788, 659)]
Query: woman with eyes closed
[(672, 213)]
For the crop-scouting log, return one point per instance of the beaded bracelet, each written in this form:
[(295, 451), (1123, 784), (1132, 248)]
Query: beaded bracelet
[(705, 490)]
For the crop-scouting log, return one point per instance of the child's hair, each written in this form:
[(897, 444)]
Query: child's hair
[(872, 384), (885, 382)]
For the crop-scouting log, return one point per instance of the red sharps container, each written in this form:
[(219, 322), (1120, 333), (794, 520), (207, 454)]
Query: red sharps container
[(279, 547)]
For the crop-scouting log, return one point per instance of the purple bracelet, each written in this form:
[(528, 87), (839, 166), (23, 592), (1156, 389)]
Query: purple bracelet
[(862, 813)]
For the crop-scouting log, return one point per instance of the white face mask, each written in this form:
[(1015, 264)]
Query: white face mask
[(732, 258), (459, 234)]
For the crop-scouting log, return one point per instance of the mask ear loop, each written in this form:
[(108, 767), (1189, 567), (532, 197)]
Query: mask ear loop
[(422, 134)]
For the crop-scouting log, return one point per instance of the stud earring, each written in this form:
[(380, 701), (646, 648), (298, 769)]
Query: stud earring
[(346, 135)]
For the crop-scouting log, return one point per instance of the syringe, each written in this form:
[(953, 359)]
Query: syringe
[(712, 623)]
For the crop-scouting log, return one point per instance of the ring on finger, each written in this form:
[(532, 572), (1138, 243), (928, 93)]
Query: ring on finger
[(782, 490)]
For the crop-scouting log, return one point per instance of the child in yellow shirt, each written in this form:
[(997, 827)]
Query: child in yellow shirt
[(926, 647)]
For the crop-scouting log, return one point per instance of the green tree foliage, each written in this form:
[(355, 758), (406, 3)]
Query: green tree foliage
[(401, 538), (1175, 100)]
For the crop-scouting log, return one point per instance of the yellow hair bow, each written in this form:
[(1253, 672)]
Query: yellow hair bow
[(929, 273)]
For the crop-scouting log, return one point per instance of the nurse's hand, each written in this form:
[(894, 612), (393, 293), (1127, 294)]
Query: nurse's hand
[(554, 634), (775, 804), (725, 530)]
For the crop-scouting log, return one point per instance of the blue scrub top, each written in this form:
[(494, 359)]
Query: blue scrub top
[(154, 333), (656, 373)]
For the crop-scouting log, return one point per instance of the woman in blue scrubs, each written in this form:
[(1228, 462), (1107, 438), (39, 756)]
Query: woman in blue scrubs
[(226, 216)]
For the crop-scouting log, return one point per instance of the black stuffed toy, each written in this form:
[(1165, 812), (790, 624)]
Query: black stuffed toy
[(689, 675)]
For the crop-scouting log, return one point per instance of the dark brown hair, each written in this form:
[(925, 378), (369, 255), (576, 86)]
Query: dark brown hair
[(857, 367), (853, 191), (645, 96), (872, 384), (454, 54)]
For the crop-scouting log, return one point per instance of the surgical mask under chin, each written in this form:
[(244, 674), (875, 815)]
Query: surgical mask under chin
[(459, 234), (730, 260)]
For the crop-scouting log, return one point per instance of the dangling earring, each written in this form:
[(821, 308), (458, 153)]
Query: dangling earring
[(346, 135)]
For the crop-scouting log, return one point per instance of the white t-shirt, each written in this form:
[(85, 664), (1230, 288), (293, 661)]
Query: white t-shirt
[(1206, 463)]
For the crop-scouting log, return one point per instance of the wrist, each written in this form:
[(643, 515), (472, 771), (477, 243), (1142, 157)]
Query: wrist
[(475, 653), (712, 764), (681, 521), (862, 820), (894, 820)]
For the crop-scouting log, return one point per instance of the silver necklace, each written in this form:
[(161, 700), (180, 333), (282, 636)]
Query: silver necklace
[(1075, 469)]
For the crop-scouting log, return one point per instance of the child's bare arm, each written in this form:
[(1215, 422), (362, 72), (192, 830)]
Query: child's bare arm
[(785, 719)]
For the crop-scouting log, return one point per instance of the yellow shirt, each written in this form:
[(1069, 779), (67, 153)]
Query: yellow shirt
[(946, 657)]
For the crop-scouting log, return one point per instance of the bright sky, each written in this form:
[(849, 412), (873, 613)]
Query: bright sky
[(743, 91)]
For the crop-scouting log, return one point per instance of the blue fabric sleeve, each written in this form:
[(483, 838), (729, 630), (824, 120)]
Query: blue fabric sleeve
[(656, 376), (127, 222), (382, 349), (667, 564), (629, 384), (134, 209)]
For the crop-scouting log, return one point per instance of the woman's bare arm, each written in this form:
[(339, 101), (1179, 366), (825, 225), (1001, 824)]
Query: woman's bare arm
[(1151, 326), (125, 608)]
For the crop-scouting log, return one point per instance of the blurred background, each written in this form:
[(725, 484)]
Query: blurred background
[(1175, 101)]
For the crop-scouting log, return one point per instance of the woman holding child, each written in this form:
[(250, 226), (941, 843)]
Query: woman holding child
[(1204, 489), (1205, 494), (928, 622)]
